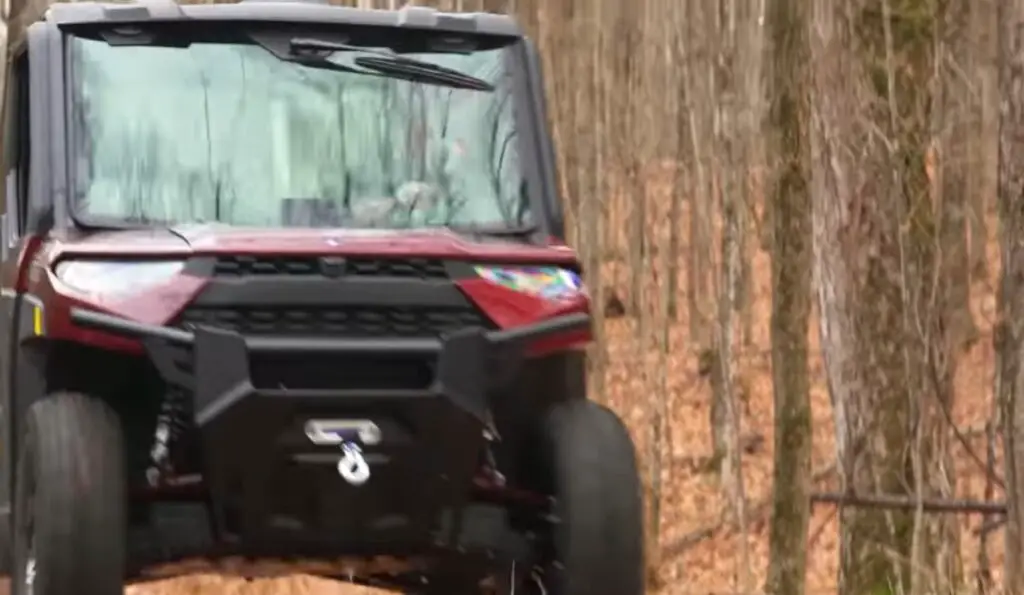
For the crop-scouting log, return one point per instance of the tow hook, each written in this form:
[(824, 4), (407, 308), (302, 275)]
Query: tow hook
[(353, 467)]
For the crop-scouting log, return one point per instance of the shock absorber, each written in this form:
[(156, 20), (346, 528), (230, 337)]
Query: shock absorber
[(171, 424)]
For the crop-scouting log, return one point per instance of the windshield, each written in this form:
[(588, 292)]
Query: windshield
[(234, 134)]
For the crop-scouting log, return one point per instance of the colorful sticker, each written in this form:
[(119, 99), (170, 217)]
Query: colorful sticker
[(547, 282)]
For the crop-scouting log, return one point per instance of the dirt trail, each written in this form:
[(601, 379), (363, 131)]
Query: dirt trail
[(216, 585)]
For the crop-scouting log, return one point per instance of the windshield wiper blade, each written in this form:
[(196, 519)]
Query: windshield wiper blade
[(387, 63), (425, 72)]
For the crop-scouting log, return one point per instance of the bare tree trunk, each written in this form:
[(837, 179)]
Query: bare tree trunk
[(699, 106), (951, 121), (838, 90), (882, 313), (631, 106), (943, 324), (1009, 337), (725, 409), (984, 145), (680, 188), (726, 399), (791, 299), (722, 165), (749, 108), (591, 130)]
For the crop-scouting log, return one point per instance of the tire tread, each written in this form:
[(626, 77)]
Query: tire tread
[(599, 539), (75, 447)]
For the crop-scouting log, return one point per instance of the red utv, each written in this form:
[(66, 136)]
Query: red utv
[(289, 280)]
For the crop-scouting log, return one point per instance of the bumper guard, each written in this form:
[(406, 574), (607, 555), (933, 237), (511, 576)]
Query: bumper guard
[(470, 361), (241, 423)]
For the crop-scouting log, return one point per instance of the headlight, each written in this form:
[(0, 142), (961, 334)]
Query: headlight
[(553, 283), (113, 278)]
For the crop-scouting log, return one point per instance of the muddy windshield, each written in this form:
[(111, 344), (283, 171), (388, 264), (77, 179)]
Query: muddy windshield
[(239, 134)]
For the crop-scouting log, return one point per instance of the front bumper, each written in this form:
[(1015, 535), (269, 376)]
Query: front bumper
[(470, 362), (267, 481)]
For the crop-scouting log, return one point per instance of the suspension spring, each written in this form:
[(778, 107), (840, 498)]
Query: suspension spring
[(171, 424)]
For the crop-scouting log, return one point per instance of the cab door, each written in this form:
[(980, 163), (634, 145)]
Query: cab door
[(15, 159)]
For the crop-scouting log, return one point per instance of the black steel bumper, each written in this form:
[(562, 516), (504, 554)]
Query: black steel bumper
[(268, 482), (470, 362)]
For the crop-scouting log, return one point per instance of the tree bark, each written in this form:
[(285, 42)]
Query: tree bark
[(791, 298), (951, 123), (748, 79), (883, 316), (699, 103), (984, 143), (725, 409), (837, 180), (1009, 337)]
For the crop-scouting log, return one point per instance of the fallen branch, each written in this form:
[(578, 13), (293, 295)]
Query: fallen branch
[(691, 539), (906, 503)]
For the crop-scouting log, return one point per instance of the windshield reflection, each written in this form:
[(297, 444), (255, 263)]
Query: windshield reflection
[(228, 133)]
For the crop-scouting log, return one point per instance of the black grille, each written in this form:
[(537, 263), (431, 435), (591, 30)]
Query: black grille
[(339, 321), (330, 371), (408, 268)]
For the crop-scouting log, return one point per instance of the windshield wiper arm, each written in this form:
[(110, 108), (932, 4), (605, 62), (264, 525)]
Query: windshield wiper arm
[(329, 47), (325, 45), (284, 51), (387, 63)]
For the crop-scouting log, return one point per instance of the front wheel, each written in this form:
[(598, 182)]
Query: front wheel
[(597, 545), (70, 500)]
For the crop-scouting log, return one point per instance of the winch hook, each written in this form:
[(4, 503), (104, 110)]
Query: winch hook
[(352, 467)]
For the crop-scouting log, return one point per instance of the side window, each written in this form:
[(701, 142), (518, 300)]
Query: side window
[(16, 145), (10, 148)]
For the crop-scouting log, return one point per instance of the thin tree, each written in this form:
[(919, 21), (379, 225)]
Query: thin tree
[(791, 296), (1009, 338), (884, 318), (984, 145), (951, 174), (699, 117)]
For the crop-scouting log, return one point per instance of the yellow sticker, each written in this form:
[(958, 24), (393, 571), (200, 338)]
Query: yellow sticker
[(37, 320)]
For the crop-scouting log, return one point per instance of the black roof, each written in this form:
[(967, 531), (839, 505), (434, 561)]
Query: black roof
[(295, 11)]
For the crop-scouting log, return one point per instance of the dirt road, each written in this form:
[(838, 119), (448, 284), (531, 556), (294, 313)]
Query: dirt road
[(215, 585)]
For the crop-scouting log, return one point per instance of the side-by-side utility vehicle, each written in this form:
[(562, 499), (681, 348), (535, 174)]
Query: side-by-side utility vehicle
[(284, 280)]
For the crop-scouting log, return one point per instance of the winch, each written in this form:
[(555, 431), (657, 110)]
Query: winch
[(351, 435)]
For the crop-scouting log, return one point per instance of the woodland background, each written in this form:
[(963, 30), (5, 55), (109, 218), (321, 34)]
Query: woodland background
[(802, 222)]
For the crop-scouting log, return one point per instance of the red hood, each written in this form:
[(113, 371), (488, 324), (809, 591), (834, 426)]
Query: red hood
[(158, 304), (214, 239)]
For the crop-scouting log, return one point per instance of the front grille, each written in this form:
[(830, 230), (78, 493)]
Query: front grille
[(312, 371), (311, 266), (339, 321)]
